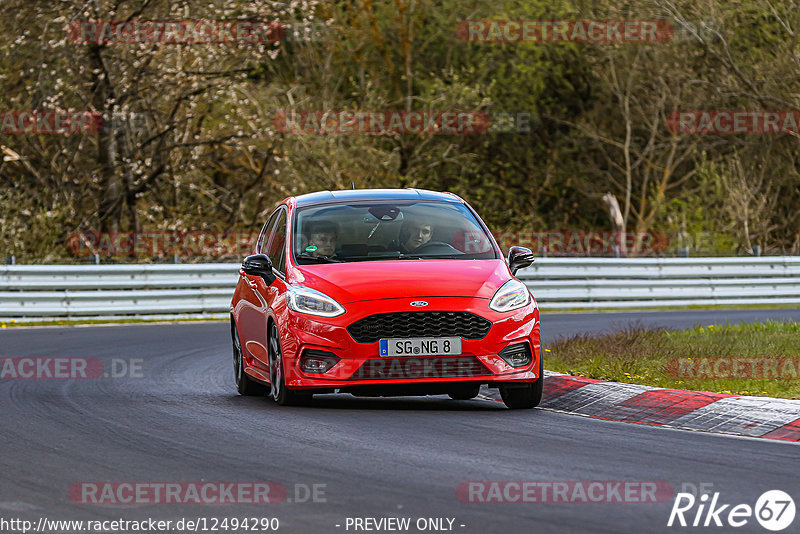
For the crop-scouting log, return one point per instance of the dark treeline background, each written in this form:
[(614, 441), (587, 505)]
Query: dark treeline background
[(191, 144)]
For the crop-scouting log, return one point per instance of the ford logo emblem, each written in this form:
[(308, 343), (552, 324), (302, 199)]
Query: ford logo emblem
[(419, 303)]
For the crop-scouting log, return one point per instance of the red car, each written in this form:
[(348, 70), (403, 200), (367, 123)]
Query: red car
[(383, 292)]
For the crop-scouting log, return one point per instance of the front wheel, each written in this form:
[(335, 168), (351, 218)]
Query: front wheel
[(526, 397), (280, 393)]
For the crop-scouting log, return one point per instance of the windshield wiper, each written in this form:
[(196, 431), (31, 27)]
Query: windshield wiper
[(317, 259), (381, 257)]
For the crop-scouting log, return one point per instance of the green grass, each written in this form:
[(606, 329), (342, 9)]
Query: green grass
[(640, 356)]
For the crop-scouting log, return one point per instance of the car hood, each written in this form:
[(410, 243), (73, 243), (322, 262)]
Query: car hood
[(374, 280)]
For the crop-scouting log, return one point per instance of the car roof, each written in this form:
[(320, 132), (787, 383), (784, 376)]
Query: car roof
[(326, 197)]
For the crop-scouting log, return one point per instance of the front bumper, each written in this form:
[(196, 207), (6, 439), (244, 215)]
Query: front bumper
[(360, 363)]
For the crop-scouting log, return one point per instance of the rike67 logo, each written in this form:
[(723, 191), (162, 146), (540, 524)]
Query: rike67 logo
[(774, 510)]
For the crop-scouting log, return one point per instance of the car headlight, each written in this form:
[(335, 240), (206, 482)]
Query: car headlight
[(512, 295), (312, 302)]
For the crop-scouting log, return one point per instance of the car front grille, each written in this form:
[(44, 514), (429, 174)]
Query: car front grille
[(424, 367), (419, 324)]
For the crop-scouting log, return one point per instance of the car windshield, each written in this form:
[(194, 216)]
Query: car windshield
[(383, 230)]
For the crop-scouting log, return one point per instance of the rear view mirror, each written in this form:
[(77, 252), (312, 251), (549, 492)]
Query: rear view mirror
[(385, 213), (259, 265), (519, 258)]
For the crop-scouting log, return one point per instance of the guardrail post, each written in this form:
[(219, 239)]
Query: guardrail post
[(10, 260), (756, 250), (683, 252)]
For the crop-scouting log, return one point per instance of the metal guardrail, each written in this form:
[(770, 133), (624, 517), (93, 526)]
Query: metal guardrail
[(561, 283), (30, 292)]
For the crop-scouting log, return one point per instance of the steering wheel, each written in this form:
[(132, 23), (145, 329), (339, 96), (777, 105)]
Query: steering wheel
[(447, 248)]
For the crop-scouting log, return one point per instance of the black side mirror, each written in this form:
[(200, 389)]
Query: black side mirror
[(259, 265), (519, 258)]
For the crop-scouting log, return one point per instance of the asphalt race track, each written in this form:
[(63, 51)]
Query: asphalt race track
[(182, 421)]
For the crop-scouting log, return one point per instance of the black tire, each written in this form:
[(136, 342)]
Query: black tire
[(282, 395), (465, 392), (524, 398), (244, 384)]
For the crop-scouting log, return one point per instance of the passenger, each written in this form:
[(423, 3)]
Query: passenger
[(322, 237), (414, 234)]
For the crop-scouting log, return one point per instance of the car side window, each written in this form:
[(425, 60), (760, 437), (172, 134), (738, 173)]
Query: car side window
[(277, 240), (282, 263), (262, 238)]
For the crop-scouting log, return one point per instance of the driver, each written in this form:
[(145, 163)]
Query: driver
[(322, 238), (414, 234)]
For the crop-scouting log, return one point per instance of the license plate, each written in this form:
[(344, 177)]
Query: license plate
[(421, 346)]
